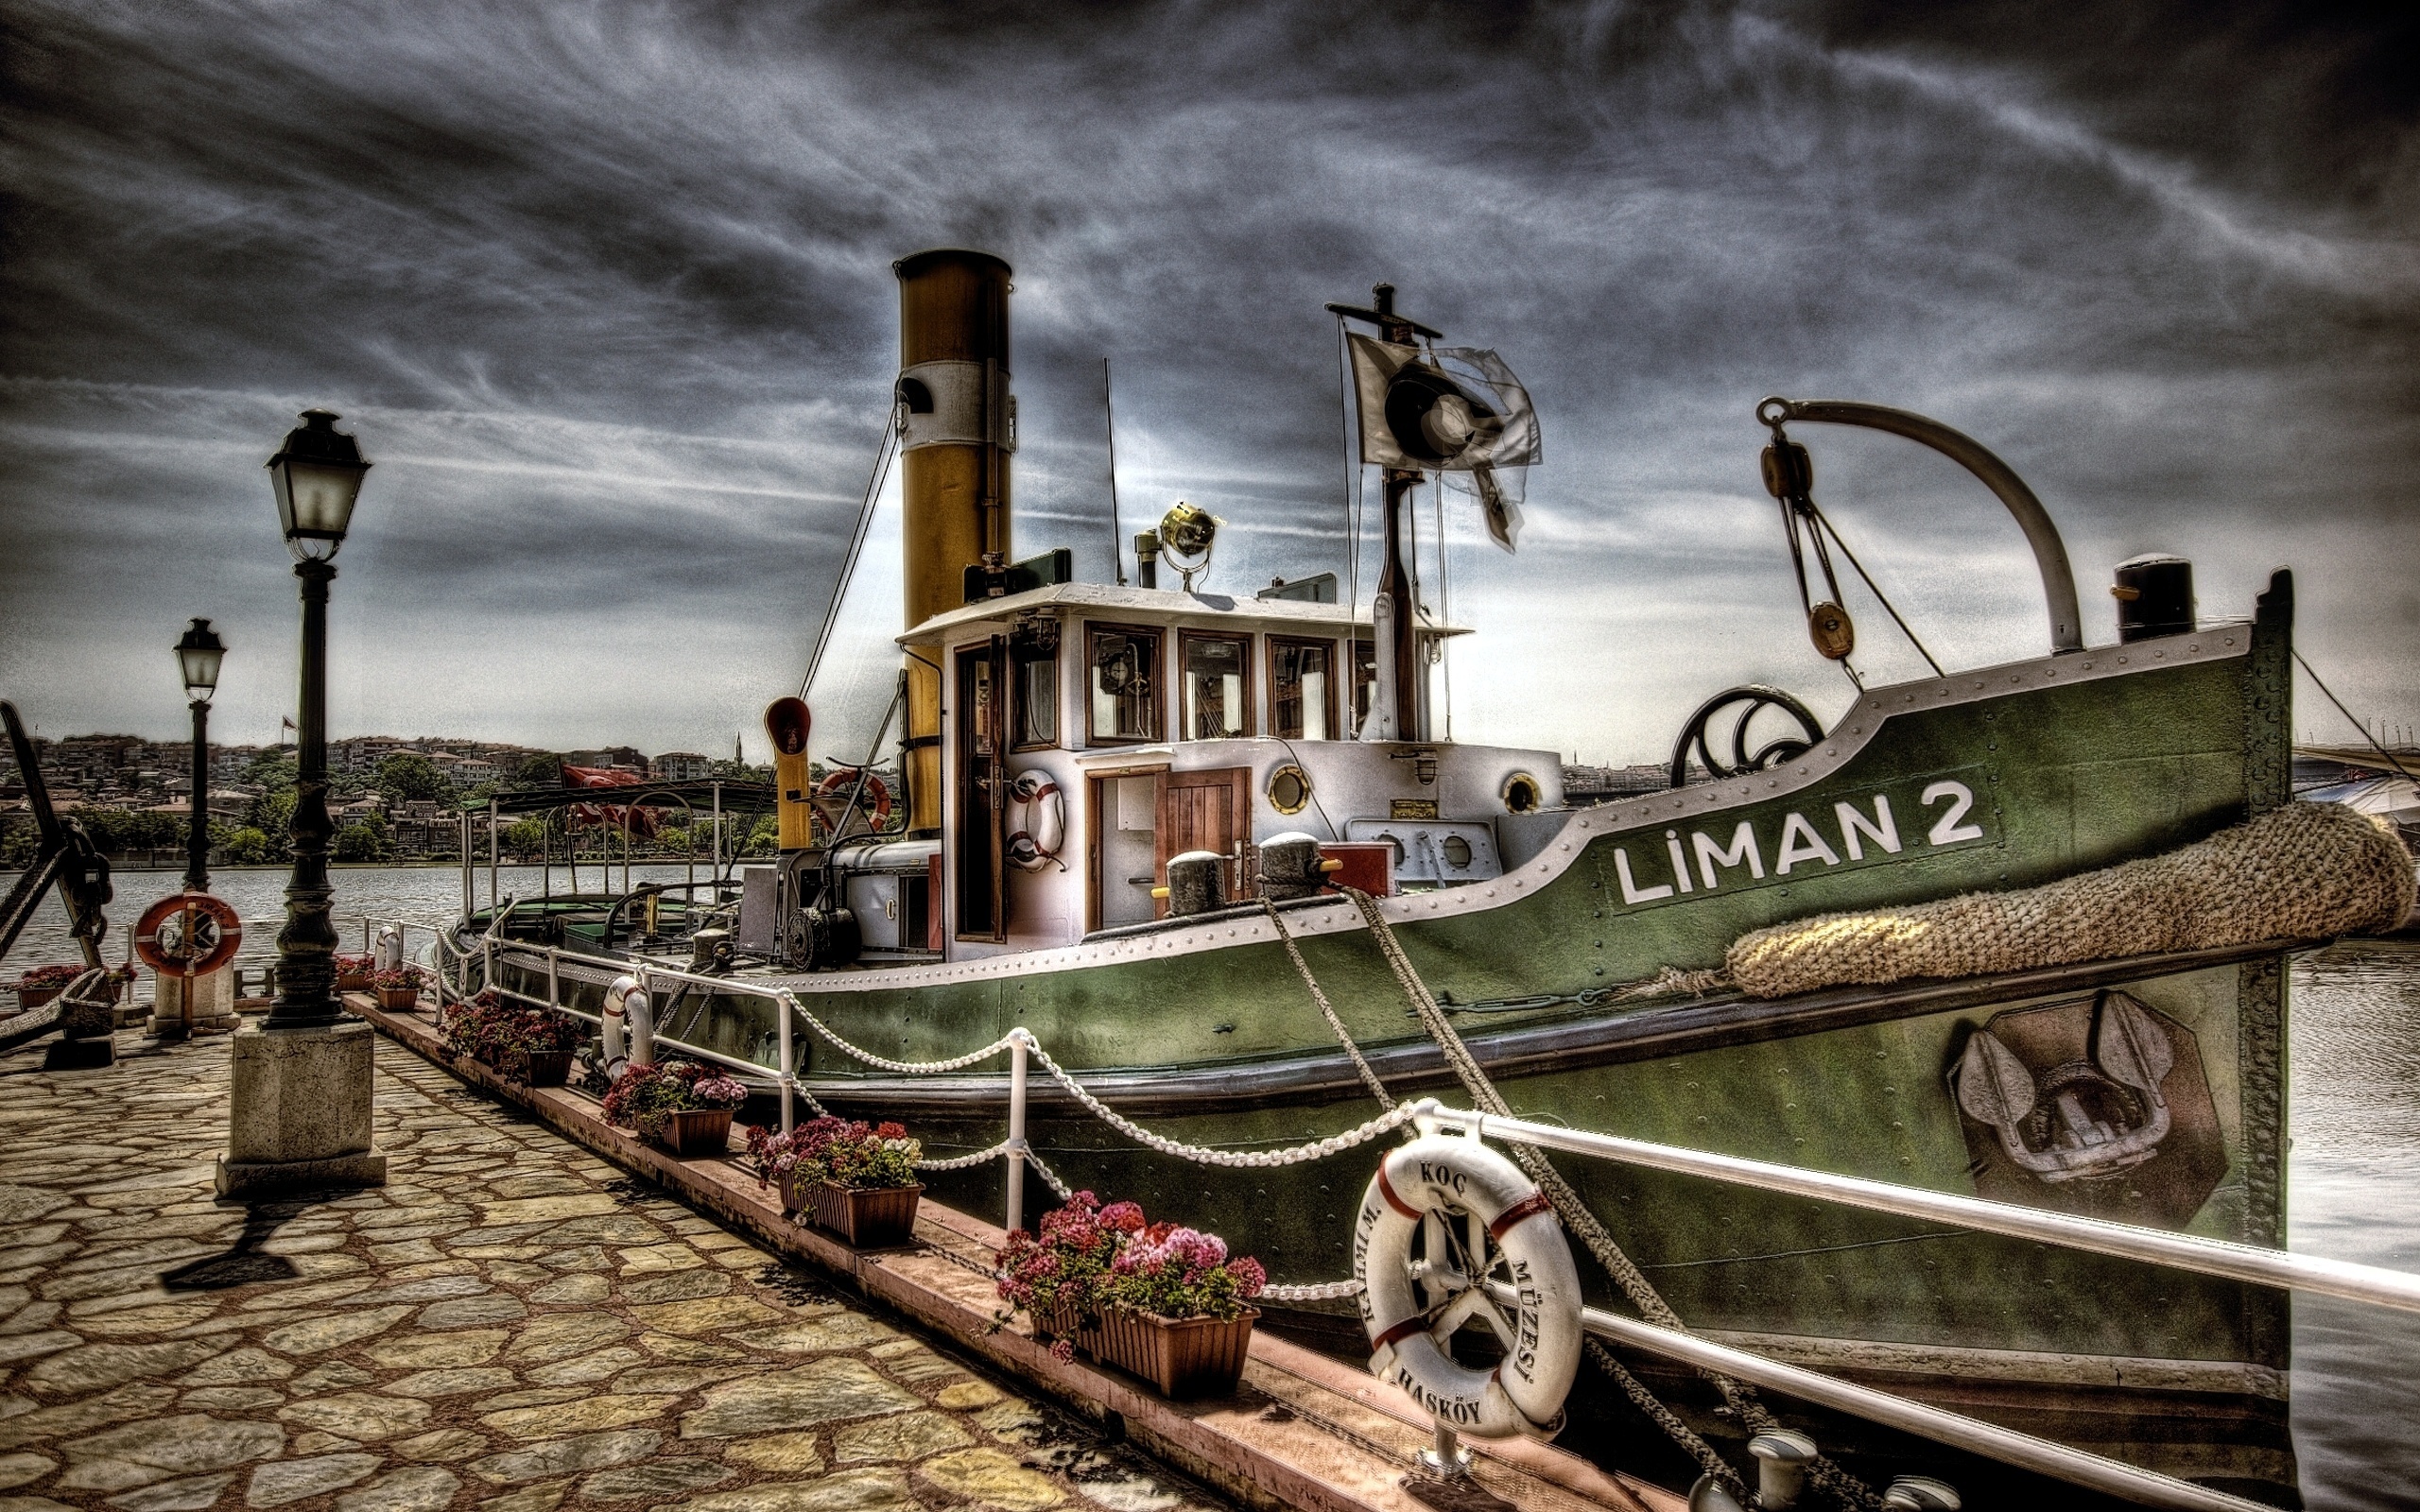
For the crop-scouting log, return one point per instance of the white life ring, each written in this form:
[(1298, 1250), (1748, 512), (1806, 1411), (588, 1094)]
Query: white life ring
[(1465, 1200), (1040, 827)]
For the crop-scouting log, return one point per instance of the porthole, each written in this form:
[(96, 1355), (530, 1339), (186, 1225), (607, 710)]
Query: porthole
[(1290, 789), (1457, 852), (1521, 793)]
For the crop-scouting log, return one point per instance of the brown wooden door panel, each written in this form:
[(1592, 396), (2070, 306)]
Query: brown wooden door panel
[(1205, 810)]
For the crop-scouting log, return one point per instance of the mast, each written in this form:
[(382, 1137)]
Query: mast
[(959, 430), (1401, 624)]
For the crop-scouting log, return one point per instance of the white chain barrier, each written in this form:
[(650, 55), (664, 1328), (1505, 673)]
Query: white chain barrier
[(1321, 1292), (1202, 1155)]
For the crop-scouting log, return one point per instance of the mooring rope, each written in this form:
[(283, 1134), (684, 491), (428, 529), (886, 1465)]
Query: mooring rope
[(1327, 1010)]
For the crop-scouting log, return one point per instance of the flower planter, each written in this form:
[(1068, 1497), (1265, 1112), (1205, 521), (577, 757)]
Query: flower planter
[(867, 1218), (34, 997), (696, 1131), (353, 981), (537, 1068), (1186, 1357), (398, 997)]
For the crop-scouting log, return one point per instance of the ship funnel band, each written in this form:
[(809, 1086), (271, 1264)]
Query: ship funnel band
[(957, 402)]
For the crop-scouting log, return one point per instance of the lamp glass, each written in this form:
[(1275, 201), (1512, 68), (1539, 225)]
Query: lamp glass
[(201, 667), (315, 499), (199, 654)]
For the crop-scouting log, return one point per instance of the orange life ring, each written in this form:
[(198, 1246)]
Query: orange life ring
[(835, 789), (206, 936)]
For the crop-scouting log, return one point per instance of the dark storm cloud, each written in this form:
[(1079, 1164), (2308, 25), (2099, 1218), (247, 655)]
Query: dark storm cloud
[(604, 290)]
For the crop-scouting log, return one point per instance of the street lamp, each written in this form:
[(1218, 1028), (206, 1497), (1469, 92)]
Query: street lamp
[(317, 476), (198, 657)]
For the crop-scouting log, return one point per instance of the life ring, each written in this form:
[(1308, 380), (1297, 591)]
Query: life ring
[(1040, 827), (1477, 1218), (832, 796), (206, 935)]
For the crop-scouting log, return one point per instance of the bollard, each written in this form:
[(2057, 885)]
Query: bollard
[(1921, 1493), (1710, 1495), (1017, 1042), (1782, 1457)]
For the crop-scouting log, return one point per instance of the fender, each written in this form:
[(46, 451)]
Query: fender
[(1430, 1184)]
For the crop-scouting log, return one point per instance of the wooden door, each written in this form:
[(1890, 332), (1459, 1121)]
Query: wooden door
[(1206, 811), (981, 711)]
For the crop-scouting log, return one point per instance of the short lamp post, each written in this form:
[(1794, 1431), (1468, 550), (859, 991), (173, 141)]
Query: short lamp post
[(317, 476), (300, 1100), (198, 657)]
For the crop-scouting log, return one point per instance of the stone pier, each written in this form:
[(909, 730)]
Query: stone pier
[(508, 1324)]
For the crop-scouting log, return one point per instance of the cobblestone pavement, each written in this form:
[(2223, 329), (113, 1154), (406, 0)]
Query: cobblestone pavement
[(509, 1324)]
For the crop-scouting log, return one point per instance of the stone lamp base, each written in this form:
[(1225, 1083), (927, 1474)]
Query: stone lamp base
[(300, 1113)]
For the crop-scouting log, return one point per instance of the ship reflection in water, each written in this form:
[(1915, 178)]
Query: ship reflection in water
[(2355, 1174), (2355, 1195)]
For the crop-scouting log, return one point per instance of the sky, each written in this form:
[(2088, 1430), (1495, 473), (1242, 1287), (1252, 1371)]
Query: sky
[(604, 291)]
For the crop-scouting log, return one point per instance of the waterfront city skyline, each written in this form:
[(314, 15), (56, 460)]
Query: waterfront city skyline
[(605, 295)]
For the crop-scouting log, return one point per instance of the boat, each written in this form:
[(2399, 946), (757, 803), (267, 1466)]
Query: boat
[(1124, 808)]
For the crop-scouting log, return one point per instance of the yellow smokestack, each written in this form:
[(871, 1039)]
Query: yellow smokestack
[(954, 380)]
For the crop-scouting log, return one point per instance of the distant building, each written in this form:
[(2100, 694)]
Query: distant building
[(681, 766), (626, 756), (1584, 785)]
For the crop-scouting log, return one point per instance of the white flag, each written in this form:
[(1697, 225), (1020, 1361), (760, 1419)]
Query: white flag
[(1449, 410)]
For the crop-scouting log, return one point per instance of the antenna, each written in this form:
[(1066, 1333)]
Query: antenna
[(1117, 537)]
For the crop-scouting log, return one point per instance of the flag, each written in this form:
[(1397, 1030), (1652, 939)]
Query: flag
[(643, 820), (1451, 410)]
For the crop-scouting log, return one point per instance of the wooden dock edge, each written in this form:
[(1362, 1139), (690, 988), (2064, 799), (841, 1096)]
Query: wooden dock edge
[(1306, 1432)]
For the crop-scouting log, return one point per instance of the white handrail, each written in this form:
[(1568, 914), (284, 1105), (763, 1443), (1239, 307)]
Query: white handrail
[(2206, 1257)]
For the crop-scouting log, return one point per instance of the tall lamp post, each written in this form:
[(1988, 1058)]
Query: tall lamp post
[(300, 1102), (318, 475), (198, 657)]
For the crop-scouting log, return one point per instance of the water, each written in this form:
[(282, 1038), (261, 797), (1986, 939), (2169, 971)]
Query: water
[(2354, 1173)]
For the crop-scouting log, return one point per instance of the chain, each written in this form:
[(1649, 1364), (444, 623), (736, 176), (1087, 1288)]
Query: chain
[(1323, 1292), (905, 1068), (1202, 1155), (1580, 1221), (1327, 1010), (1663, 1417), (1049, 1177), (962, 1163)]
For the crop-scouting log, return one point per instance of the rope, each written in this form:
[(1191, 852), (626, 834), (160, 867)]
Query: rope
[(1202, 1155), (1327, 1010), (1580, 1221), (856, 544)]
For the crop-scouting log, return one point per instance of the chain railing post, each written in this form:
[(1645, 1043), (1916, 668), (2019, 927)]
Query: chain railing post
[(789, 1063), (1017, 1044), (554, 976)]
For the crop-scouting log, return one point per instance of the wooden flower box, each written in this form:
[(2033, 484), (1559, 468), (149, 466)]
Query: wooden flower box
[(34, 997), (537, 1068), (867, 1218), (398, 997), (353, 981), (1186, 1358), (696, 1131)]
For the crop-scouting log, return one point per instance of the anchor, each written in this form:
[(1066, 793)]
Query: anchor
[(2084, 1119), (65, 855)]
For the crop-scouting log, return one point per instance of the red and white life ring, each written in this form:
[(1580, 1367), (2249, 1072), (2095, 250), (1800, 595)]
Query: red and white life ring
[(188, 934), (831, 798), (1473, 1211), (1039, 827)]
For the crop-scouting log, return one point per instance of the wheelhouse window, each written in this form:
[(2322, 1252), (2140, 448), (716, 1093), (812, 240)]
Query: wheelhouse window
[(1033, 672), (1123, 675), (1302, 689), (1217, 690), (1365, 680)]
